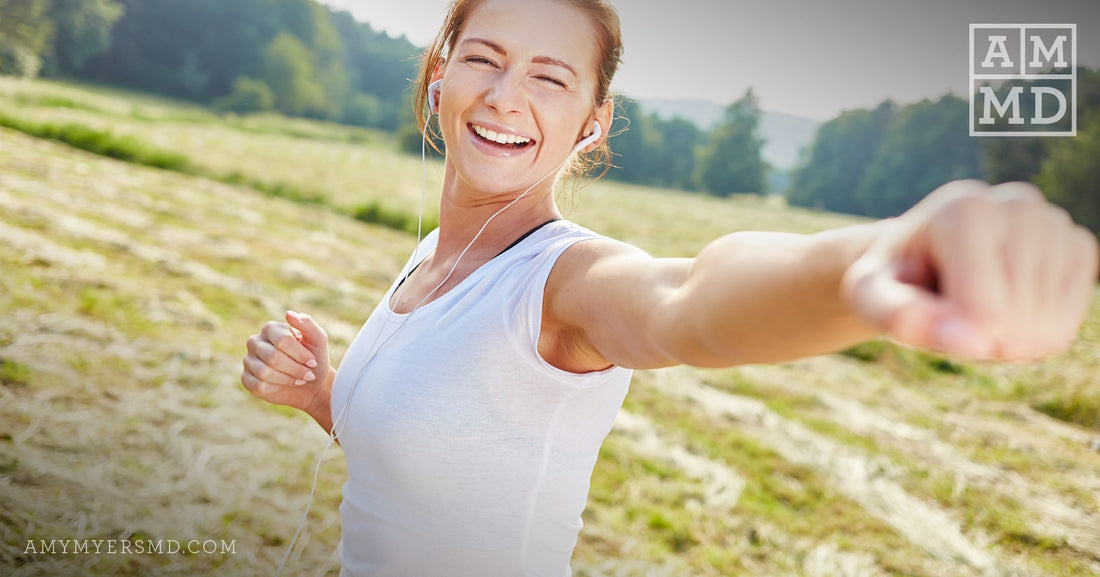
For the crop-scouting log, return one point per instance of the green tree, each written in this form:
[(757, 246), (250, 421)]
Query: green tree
[(634, 142), (288, 70), (731, 159), (83, 31), (25, 33), (678, 141), (842, 150), (248, 96), (186, 48), (926, 145), (363, 110), (198, 49), (1008, 159), (1021, 158), (379, 66), (1070, 177), (311, 24)]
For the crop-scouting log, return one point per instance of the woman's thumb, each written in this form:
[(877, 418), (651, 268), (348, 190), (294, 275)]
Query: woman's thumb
[(313, 337), (911, 313)]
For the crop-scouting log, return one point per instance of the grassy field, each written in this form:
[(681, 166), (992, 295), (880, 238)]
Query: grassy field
[(127, 293)]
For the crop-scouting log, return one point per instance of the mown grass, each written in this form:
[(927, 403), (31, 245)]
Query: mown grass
[(1079, 407), (777, 491), (131, 149), (99, 142), (14, 374), (52, 101), (147, 345), (111, 387)]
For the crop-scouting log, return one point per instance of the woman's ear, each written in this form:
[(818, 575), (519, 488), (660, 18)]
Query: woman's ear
[(435, 84), (437, 72), (605, 115)]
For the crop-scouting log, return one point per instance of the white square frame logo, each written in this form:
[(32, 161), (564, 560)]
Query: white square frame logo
[(990, 103)]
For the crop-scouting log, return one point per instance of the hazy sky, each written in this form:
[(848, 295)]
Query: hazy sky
[(808, 57)]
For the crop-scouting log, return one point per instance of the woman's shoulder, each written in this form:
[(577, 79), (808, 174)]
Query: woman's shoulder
[(593, 244), (565, 239), (573, 233), (587, 255)]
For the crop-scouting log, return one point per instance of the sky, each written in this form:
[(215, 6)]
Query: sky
[(812, 58)]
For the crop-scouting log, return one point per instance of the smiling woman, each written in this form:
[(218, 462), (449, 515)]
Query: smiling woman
[(473, 403), (483, 56)]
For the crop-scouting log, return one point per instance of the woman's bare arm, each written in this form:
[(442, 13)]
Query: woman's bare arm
[(977, 271)]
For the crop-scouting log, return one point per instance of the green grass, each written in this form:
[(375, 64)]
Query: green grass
[(911, 363), (103, 143), (52, 101), (776, 492), (120, 353), (131, 149), (1081, 408), (14, 374)]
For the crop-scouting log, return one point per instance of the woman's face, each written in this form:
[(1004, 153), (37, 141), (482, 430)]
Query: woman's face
[(518, 92)]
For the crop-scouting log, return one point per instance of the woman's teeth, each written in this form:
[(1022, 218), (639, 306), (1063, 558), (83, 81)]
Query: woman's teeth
[(500, 138)]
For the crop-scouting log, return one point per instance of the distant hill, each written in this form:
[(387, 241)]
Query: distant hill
[(785, 133)]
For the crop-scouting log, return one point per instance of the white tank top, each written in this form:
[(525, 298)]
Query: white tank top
[(468, 454)]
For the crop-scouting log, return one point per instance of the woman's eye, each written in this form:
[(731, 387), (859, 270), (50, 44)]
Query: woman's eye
[(479, 60), (552, 80)]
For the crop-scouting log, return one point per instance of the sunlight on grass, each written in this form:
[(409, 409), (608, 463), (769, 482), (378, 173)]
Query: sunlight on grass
[(129, 292)]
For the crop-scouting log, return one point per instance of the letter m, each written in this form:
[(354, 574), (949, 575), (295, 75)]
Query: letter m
[(1048, 54), (991, 102)]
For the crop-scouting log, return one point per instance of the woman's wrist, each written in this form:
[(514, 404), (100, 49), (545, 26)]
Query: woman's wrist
[(321, 407)]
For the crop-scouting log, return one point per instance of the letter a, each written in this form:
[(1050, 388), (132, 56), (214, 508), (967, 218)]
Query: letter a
[(997, 49)]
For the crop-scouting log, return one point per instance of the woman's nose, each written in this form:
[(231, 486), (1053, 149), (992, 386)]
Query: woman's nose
[(505, 94)]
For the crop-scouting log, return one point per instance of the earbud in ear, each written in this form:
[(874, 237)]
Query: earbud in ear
[(597, 132), (434, 90)]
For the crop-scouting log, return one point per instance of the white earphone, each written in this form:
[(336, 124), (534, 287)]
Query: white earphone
[(597, 132), (436, 88)]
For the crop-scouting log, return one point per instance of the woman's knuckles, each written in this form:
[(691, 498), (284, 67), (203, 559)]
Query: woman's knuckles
[(1042, 334)]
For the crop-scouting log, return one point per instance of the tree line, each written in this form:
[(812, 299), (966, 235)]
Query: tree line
[(675, 153), (300, 58), (879, 162), (295, 57)]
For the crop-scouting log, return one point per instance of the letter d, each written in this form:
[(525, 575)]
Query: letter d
[(1039, 91)]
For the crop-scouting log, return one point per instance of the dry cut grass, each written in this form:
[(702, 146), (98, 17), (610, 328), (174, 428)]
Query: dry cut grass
[(128, 292)]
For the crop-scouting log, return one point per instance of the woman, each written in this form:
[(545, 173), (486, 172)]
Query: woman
[(472, 405)]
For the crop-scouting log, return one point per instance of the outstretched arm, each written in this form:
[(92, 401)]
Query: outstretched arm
[(976, 271)]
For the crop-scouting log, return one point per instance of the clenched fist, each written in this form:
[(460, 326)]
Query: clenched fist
[(979, 271), (288, 364)]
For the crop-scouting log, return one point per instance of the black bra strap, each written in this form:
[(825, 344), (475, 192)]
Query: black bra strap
[(525, 235), (509, 247)]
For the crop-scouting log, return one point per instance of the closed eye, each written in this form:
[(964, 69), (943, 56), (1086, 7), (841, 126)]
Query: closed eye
[(552, 80), (480, 60)]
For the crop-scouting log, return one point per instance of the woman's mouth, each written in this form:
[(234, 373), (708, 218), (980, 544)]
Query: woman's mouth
[(499, 139)]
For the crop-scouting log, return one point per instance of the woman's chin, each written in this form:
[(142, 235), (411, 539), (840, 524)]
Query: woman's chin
[(495, 179)]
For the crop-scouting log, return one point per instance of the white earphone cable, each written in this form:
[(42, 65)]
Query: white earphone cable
[(376, 346)]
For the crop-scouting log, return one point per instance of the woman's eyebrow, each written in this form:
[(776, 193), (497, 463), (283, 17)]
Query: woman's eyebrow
[(489, 43), (554, 62), (537, 59)]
